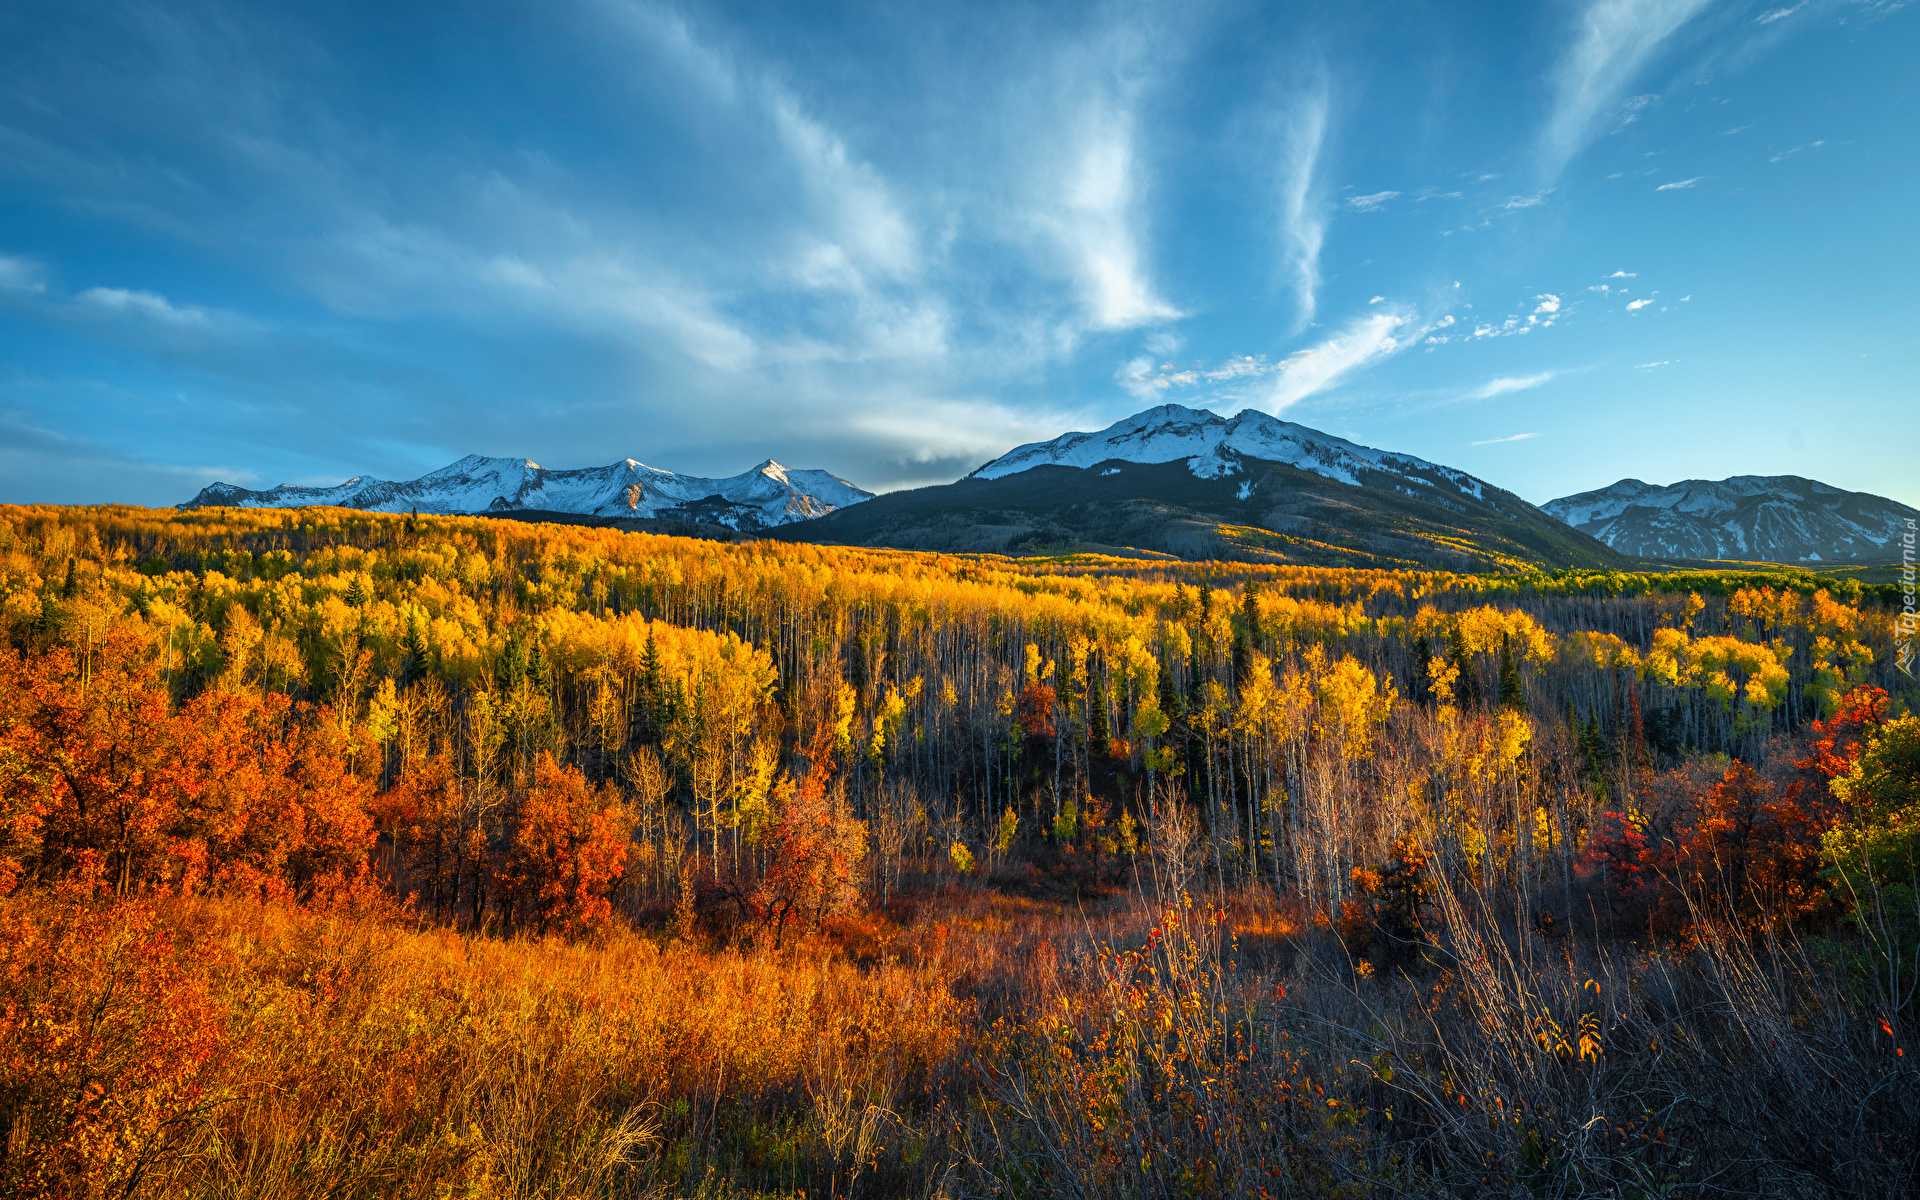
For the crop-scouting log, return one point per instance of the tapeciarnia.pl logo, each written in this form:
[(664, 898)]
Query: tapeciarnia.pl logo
[(1908, 621)]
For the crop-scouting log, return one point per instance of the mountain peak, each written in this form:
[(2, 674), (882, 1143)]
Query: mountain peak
[(1770, 518), (1175, 412), (1212, 445)]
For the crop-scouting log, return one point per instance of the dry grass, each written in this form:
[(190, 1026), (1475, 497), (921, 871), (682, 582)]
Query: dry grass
[(1500, 1062), (962, 1042), (361, 1057)]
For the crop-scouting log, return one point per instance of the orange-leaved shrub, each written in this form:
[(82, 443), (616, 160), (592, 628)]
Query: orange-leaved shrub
[(253, 792), (569, 849), (109, 1048), (1751, 854)]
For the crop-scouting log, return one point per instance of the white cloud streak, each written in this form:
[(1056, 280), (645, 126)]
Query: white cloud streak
[(20, 275), (1087, 182), (1506, 384), (1098, 226), (854, 202), (1786, 154), (1371, 203), (152, 305), (1364, 341), (1303, 221), (1678, 184), (1141, 379), (1613, 44), (1517, 437)]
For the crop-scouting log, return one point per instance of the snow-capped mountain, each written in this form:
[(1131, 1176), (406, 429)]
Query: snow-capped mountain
[(1214, 446), (1770, 518), (1184, 483), (766, 496)]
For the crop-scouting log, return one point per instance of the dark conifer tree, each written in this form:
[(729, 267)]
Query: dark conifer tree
[(1512, 696), (1467, 691)]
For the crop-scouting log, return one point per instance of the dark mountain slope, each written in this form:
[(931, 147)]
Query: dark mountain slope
[(1249, 510)]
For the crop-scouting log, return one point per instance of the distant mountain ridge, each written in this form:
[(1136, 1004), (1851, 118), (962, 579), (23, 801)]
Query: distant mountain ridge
[(1769, 518), (1188, 483), (764, 497)]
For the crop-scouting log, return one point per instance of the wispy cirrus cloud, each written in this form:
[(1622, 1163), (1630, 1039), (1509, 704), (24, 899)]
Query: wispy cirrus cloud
[(1142, 379), (1372, 202), (150, 305), (1099, 228), (1512, 437), (1318, 368), (1678, 184), (1779, 14), (1088, 180), (1364, 341), (1613, 43), (1303, 219), (20, 275), (1786, 154), (121, 315), (1512, 383)]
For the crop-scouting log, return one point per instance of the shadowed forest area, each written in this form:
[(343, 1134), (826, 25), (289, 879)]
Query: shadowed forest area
[(346, 854)]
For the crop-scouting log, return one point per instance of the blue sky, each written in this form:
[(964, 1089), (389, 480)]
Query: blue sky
[(1554, 244)]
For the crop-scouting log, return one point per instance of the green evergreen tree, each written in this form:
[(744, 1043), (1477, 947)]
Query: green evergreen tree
[(1467, 690), (539, 670), (413, 663), (646, 710), (1512, 695)]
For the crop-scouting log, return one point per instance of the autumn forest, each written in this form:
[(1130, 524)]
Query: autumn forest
[(351, 854)]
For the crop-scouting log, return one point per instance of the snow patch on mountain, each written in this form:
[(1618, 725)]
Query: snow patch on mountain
[(763, 497), (1772, 518)]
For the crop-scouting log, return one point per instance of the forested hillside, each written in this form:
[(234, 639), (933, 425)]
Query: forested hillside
[(559, 738)]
